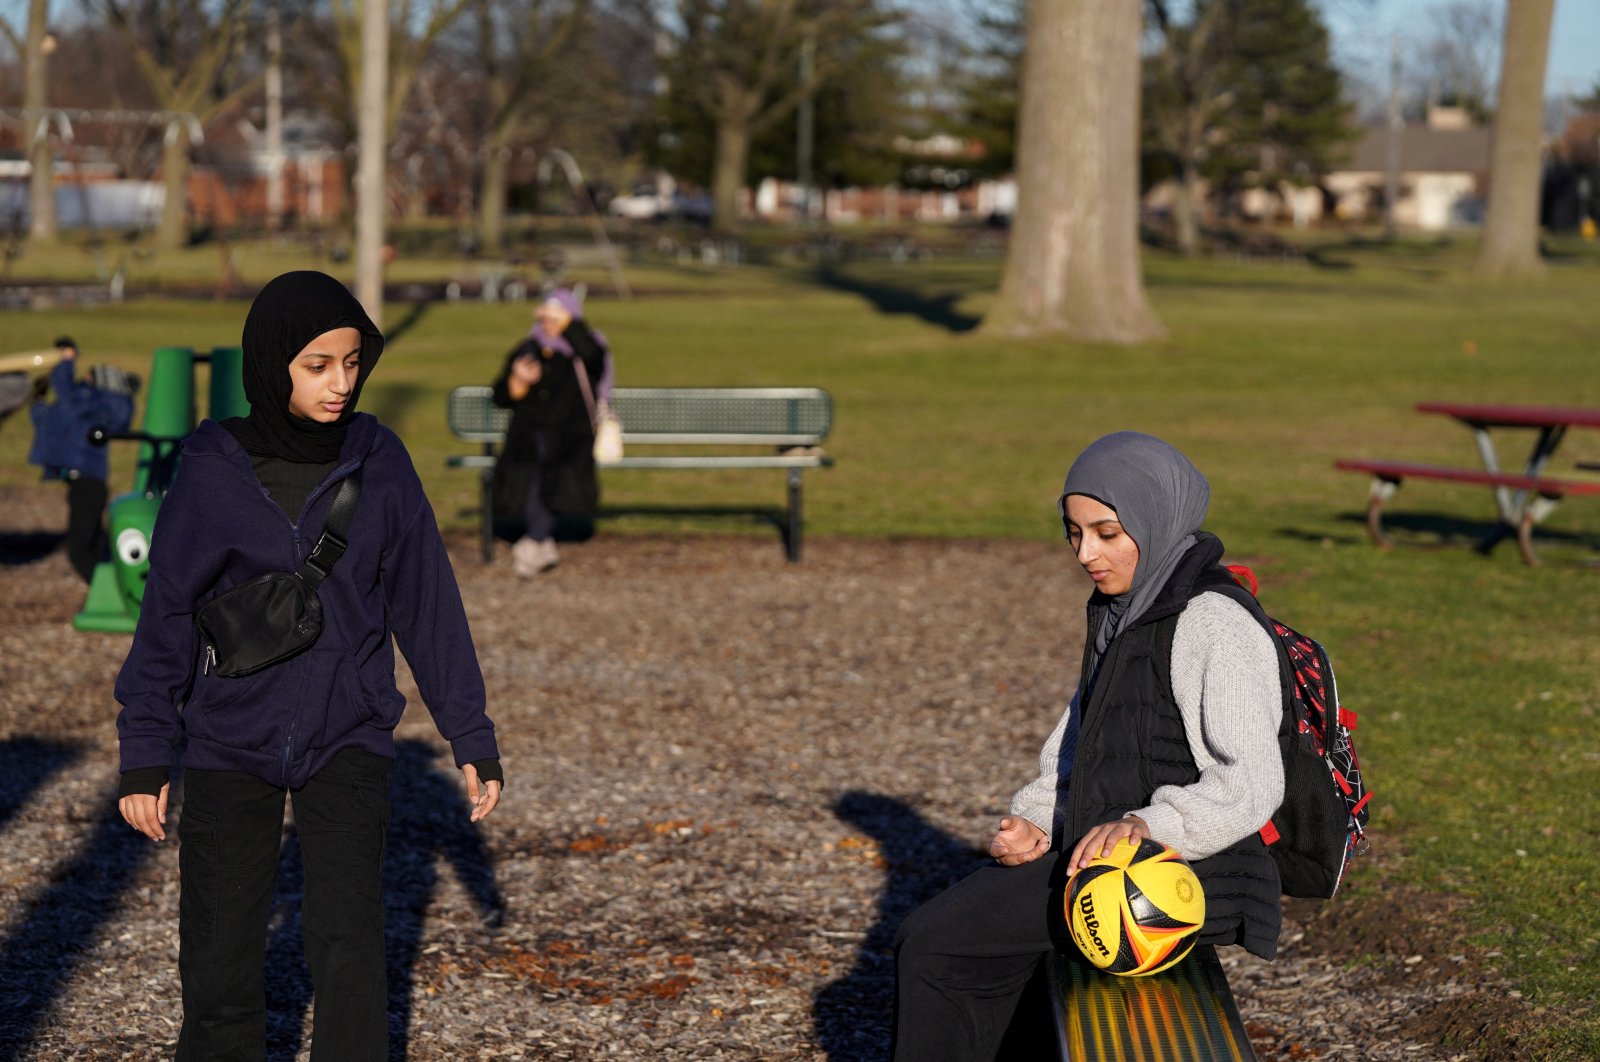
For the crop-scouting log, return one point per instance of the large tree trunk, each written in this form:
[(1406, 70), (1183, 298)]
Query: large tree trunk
[(492, 202), (1073, 263), (41, 182), (733, 156), (1511, 230), (172, 231)]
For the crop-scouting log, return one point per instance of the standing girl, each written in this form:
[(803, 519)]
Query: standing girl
[(253, 497), (1172, 735)]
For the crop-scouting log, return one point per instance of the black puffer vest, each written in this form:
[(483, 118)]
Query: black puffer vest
[(1131, 741)]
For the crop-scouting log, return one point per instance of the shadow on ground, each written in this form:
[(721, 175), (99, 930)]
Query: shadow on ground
[(937, 309), (40, 954), (28, 547), (852, 1015), (1434, 531)]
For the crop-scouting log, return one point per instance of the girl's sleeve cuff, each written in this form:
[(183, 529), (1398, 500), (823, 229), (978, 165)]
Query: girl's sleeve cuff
[(489, 771), (142, 780)]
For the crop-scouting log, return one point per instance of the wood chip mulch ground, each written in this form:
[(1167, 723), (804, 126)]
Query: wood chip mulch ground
[(729, 779)]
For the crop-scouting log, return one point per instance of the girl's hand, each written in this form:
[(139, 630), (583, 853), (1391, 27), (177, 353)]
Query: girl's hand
[(527, 370), (146, 813), (1100, 840), (1018, 841), (484, 795)]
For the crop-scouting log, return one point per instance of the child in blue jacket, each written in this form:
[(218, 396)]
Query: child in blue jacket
[(251, 497), (61, 447)]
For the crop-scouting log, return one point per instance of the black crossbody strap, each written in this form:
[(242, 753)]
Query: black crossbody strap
[(335, 533)]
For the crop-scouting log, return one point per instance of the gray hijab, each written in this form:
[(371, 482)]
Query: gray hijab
[(1160, 499)]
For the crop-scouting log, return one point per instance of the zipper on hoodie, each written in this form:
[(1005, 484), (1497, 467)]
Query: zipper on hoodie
[(338, 474), (294, 528)]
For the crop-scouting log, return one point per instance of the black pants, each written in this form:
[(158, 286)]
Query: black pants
[(964, 958), (229, 837), (86, 529)]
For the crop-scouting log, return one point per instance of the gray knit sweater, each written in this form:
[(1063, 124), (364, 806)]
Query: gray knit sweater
[(1226, 681)]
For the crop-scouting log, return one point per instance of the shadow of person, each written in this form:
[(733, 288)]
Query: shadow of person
[(49, 939), (428, 823), (852, 1014), (27, 547)]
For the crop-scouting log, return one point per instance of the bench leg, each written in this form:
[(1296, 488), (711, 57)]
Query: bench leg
[(1381, 491), (791, 533), (486, 516)]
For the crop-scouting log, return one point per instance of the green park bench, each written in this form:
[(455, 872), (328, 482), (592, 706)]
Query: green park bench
[(700, 425)]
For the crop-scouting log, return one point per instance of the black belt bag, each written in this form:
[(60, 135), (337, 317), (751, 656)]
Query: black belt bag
[(278, 615)]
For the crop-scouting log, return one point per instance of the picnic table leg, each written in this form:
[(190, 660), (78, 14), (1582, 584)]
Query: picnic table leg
[(1537, 510), (1491, 463), (1382, 490), (1543, 448), (791, 535)]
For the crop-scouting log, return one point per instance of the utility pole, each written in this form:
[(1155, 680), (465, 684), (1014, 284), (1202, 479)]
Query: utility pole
[(36, 124), (805, 135), (370, 169), (1397, 129), (274, 118)]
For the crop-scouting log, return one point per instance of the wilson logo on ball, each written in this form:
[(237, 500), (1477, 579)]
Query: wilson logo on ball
[(1091, 924), (1137, 910)]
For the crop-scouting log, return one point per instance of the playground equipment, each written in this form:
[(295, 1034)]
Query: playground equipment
[(118, 585)]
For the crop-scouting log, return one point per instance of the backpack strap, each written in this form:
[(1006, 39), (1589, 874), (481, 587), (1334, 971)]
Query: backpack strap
[(335, 532)]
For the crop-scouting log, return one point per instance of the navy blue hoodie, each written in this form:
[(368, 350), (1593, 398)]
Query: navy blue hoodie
[(218, 527)]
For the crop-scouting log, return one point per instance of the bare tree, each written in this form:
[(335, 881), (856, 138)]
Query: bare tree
[(1195, 87), (35, 45), (516, 39), (1073, 264), (186, 59), (1456, 61), (1511, 229), (739, 61), (412, 34)]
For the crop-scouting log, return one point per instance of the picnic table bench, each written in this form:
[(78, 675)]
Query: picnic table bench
[(791, 422), (1522, 498)]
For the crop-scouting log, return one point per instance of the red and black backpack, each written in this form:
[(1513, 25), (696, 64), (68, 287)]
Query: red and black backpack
[(1322, 824)]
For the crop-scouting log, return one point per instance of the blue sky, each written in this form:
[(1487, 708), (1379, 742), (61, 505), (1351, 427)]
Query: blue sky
[(1363, 29)]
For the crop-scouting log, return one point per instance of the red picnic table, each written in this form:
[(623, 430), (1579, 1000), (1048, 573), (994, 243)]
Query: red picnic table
[(1523, 498)]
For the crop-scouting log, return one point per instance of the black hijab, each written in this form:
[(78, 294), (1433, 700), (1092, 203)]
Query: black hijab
[(291, 311)]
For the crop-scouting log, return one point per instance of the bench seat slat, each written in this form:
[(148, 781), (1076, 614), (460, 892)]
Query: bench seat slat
[(721, 461)]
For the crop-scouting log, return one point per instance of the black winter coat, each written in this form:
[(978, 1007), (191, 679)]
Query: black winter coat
[(1131, 741), (551, 431)]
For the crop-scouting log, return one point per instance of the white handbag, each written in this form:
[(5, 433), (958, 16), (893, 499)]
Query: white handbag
[(607, 434), (607, 425)]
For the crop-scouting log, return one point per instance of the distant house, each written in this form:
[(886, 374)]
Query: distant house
[(1443, 171)]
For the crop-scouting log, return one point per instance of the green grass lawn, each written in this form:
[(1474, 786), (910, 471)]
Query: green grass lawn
[(1477, 679)]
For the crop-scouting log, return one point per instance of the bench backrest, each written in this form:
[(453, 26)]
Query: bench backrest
[(767, 416)]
